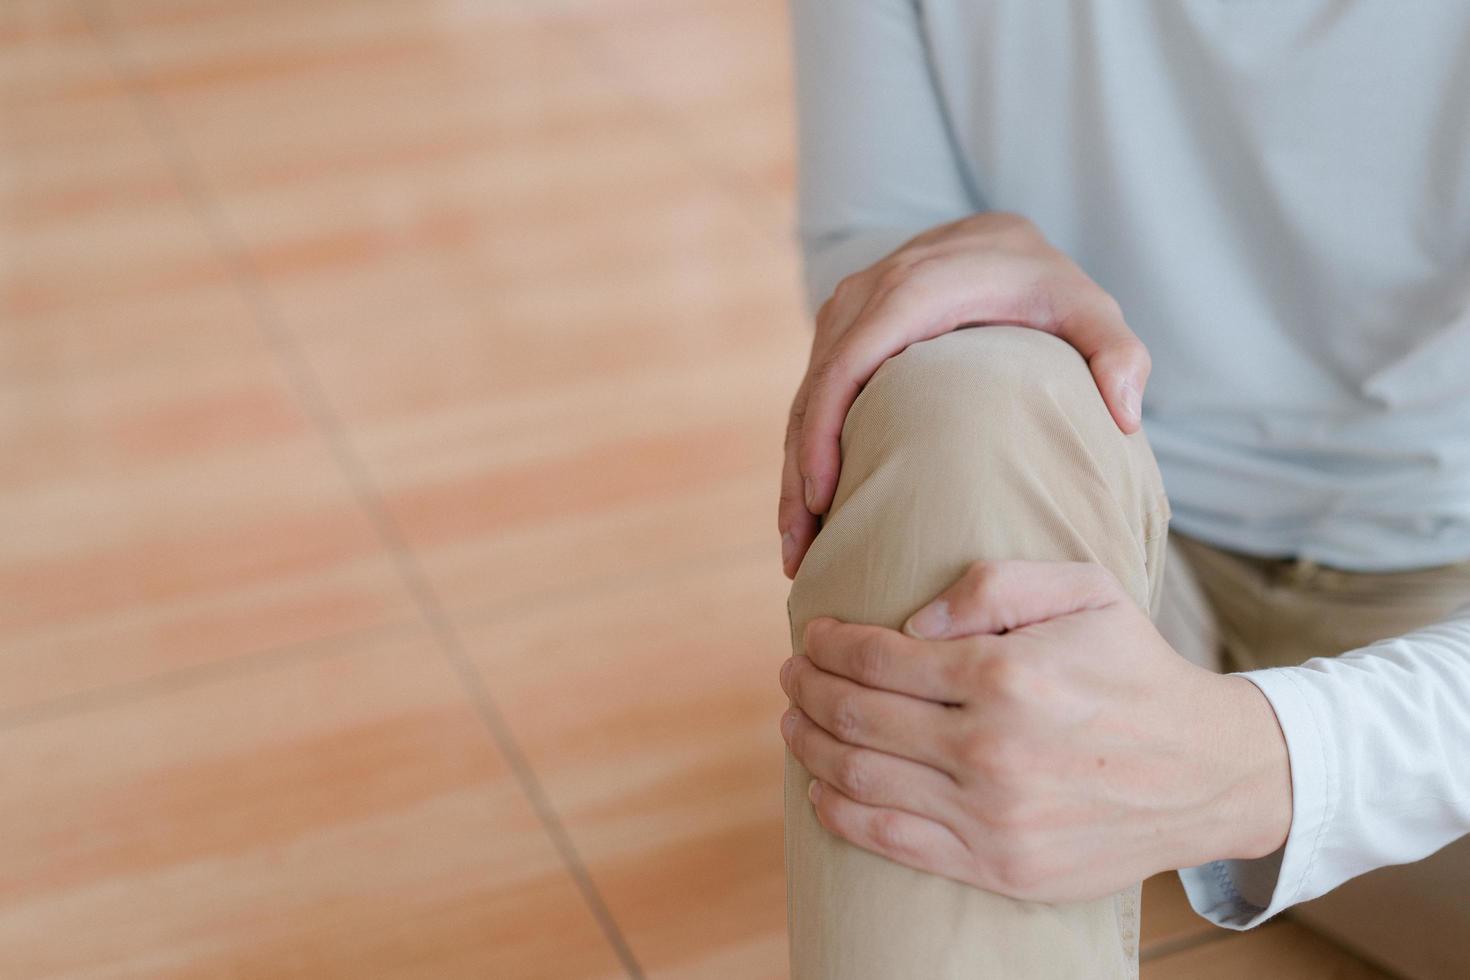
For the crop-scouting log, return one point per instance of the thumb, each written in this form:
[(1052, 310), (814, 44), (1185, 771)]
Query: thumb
[(993, 597)]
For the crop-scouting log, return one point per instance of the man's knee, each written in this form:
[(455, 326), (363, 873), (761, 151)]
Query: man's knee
[(970, 396)]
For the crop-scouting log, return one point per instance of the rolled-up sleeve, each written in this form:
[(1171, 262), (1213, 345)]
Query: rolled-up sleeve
[(876, 161), (1379, 743)]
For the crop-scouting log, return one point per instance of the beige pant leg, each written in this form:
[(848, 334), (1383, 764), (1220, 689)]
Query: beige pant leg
[(986, 443)]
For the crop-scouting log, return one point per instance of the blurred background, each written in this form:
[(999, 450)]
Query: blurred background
[(391, 400)]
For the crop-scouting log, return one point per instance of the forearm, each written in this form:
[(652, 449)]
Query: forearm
[(1378, 740)]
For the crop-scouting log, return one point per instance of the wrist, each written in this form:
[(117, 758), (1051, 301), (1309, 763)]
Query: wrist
[(1257, 791)]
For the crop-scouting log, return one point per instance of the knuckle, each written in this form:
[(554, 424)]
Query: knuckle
[(821, 374), (796, 680), (920, 264), (854, 776), (801, 742), (888, 834), (795, 423), (798, 742), (894, 276), (824, 816), (831, 369), (798, 405), (868, 660), (786, 502), (845, 718), (1004, 678), (793, 427), (1001, 762), (848, 289), (1017, 868)]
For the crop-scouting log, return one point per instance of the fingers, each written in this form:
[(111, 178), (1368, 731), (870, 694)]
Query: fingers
[(797, 525), (1118, 360), (860, 716), (864, 775), (807, 487), (890, 661), (1121, 372), (907, 838), (835, 386), (876, 316), (993, 597)]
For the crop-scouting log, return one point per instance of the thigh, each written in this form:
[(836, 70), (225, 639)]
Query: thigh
[(1271, 612)]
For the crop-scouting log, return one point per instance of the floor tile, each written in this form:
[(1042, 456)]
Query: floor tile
[(1168, 920), (650, 712), (166, 499), (1281, 951), (576, 356), (340, 814)]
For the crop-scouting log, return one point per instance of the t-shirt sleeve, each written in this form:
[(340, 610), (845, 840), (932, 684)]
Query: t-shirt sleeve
[(876, 161)]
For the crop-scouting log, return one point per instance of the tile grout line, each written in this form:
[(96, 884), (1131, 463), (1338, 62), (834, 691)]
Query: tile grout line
[(331, 644), (311, 392), (182, 678)]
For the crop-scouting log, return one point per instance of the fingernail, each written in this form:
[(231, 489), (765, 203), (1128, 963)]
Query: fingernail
[(788, 548), (929, 623), (788, 724), (813, 790), (1132, 401), (786, 672), (809, 487)]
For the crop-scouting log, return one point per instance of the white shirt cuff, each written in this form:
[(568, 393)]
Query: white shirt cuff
[(1240, 894)]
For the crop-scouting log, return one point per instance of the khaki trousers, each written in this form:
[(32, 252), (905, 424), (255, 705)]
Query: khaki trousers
[(992, 443), (985, 443)]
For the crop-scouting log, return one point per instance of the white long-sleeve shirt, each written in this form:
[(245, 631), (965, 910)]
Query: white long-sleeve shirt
[(1278, 195)]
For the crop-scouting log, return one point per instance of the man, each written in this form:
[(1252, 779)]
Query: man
[(1016, 215)]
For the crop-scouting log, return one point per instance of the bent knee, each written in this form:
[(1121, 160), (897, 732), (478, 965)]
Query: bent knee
[(980, 383)]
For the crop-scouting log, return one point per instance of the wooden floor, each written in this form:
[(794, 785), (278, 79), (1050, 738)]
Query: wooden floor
[(390, 410)]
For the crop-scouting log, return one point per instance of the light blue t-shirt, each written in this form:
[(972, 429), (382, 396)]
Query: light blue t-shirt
[(1277, 192)]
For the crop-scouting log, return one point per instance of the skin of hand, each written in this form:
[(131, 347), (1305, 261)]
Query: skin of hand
[(986, 269), (1029, 732)]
